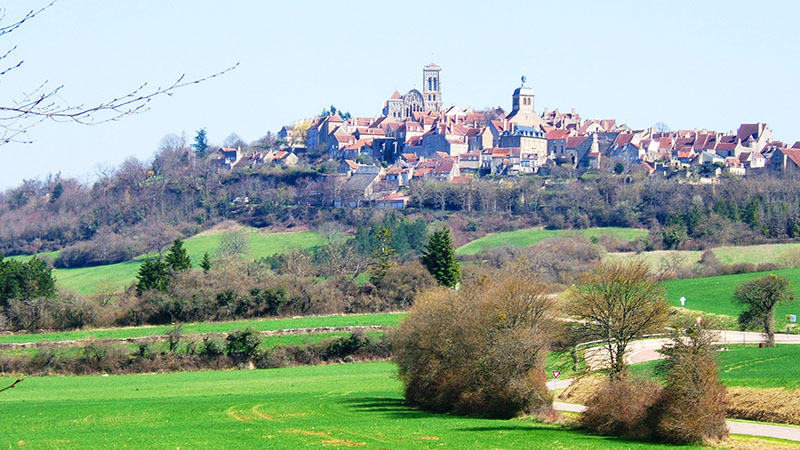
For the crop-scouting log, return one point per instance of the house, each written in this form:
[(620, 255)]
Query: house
[(227, 158), (400, 176), (288, 159), (347, 167), (557, 143), (393, 201), (785, 160), (358, 189), (470, 162)]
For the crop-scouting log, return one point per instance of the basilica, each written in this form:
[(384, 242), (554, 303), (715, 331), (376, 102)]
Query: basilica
[(401, 107)]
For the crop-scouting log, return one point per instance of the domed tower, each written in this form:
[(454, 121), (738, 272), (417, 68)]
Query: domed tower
[(431, 87), (522, 100), (522, 112)]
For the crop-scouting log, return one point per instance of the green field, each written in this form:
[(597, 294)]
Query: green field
[(300, 407), (750, 366), (530, 236), (754, 254), (384, 319), (114, 277), (715, 294)]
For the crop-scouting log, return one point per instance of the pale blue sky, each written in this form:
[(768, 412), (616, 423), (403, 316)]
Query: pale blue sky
[(692, 64)]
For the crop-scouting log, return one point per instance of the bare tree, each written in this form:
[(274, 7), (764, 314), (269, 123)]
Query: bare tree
[(620, 302), (43, 102)]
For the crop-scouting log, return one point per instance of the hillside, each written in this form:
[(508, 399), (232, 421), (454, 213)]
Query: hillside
[(114, 277), (530, 236)]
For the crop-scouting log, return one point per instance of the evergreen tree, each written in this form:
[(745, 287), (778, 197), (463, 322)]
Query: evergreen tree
[(382, 255), (439, 258), (25, 280), (205, 263), (177, 259), (200, 145), (153, 274)]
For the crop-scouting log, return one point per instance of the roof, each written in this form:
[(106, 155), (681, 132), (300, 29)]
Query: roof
[(557, 134), (461, 179), (395, 96), (792, 153), (576, 141)]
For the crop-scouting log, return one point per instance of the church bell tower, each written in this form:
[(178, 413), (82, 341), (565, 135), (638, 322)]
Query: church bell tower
[(431, 87)]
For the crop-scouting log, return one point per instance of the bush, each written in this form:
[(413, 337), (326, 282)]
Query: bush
[(694, 403), (478, 351), (242, 345), (623, 406)]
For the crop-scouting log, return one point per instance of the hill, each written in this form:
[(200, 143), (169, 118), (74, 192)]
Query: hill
[(530, 236), (115, 277)]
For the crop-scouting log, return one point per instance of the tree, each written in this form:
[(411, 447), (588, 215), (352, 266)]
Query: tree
[(694, 403), (439, 258), (382, 255), (200, 145), (480, 350), (205, 263), (177, 259), (232, 243), (618, 303), (760, 297), (153, 274), (25, 280), (45, 103), (233, 141)]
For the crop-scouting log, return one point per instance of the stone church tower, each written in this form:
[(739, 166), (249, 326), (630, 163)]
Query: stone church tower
[(431, 87)]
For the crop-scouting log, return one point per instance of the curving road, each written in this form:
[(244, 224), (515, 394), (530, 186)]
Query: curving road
[(647, 350)]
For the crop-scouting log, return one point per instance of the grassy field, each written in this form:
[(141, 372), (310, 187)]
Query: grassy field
[(530, 236), (301, 407), (750, 366), (384, 319), (715, 294), (755, 254), (89, 280)]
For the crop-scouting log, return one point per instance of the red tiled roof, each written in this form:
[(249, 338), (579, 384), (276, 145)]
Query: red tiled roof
[(395, 96), (557, 134), (576, 141)]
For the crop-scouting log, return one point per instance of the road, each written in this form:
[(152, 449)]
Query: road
[(647, 350)]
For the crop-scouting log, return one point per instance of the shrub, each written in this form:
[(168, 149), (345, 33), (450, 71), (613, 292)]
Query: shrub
[(478, 351), (241, 345), (694, 403), (623, 406)]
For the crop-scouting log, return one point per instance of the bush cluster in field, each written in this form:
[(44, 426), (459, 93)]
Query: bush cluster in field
[(239, 348)]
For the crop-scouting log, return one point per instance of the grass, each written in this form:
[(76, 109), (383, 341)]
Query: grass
[(754, 254), (115, 277), (384, 319), (299, 407), (530, 236), (750, 366), (715, 294)]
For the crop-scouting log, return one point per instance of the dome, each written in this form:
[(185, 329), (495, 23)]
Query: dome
[(523, 90)]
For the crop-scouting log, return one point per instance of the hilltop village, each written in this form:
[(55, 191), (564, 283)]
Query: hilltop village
[(417, 138)]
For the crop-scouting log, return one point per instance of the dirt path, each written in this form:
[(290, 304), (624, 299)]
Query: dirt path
[(164, 338)]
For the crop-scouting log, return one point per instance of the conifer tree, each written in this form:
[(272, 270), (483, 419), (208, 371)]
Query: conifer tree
[(439, 258), (382, 255), (177, 259), (205, 263), (153, 274)]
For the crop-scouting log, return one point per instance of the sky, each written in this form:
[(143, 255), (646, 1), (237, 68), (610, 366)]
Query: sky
[(689, 64)]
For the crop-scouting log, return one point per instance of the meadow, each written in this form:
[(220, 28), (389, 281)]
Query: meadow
[(299, 407), (381, 319), (749, 366), (715, 294), (754, 254), (530, 236), (116, 277)]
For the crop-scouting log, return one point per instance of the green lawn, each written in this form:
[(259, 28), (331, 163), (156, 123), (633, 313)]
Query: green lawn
[(89, 280), (715, 294), (300, 407), (750, 366), (384, 319), (530, 236)]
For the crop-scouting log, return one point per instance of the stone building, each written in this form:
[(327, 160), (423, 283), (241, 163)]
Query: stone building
[(401, 107)]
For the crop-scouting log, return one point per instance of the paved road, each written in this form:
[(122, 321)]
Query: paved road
[(647, 350)]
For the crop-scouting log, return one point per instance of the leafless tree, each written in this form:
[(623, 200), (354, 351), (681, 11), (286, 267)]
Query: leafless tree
[(43, 103)]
